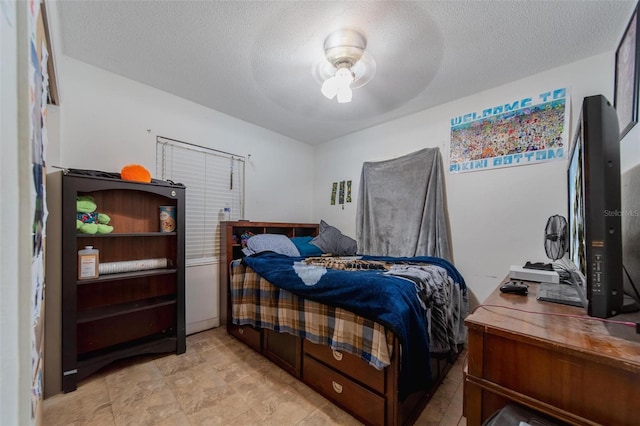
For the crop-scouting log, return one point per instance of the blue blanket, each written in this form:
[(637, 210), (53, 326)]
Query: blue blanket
[(388, 300)]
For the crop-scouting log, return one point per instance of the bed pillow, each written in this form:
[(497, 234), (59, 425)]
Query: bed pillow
[(304, 246), (331, 240), (271, 242)]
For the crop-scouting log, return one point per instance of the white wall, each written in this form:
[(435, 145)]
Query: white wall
[(497, 216), (16, 243), (107, 121), (630, 149)]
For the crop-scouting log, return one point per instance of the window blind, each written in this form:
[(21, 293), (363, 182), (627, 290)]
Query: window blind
[(214, 180)]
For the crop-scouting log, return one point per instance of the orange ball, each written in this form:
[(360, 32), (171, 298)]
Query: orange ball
[(135, 172)]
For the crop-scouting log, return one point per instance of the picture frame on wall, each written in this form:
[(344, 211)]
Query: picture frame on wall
[(627, 76)]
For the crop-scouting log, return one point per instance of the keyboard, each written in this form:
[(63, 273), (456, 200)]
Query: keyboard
[(559, 293)]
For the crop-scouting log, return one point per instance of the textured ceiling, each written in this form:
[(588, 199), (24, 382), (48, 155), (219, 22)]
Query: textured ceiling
[(254, 60)]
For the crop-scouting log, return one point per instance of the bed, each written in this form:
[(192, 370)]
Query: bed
[(377, 349)]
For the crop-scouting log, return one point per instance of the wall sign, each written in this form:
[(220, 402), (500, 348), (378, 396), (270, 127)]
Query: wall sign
[(529, 130)]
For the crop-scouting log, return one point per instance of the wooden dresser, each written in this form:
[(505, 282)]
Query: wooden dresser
[(575, 370)]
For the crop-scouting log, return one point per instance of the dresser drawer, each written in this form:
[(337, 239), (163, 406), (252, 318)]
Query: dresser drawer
[(247, 334), (355, 398), (348, 364)]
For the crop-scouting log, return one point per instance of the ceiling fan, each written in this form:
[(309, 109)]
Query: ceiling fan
[(347, 65)]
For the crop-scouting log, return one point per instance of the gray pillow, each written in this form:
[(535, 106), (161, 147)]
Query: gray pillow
[(271, 242), (331, 240)]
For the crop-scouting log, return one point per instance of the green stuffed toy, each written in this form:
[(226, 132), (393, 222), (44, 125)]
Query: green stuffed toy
[(88, 221)]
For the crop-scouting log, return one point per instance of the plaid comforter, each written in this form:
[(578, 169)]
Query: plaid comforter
[(256, 302)]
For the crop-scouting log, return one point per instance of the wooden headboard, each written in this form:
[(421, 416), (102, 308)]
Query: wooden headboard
[(230, 248)]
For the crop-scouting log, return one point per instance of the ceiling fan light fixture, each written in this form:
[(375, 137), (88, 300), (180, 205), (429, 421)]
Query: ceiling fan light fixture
[(344, 95), (343, 50), (339, 85)]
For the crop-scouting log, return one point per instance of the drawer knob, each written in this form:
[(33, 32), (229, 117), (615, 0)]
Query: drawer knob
[(337, 355), (241, 330), (336, 387)]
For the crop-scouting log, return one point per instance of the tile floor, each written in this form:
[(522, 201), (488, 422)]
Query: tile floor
[(219, 380)]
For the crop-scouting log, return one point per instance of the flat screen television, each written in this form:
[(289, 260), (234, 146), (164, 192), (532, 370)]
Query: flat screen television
[(594, 225)]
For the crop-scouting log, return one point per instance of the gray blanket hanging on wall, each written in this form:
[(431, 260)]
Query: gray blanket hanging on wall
[(401, 207)]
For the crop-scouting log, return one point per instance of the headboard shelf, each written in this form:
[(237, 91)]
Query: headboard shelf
[(231, 247)]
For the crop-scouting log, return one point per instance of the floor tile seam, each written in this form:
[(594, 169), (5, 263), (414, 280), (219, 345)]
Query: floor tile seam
[(445, 422), (449, 405), (166, 386), (231, 419), (440, 397), (239, 379), (297, 391), (106, 404), (300, 395), (238, 390), (298, 400), (183, 409), (114, 398), (309, 415), (325, 402)]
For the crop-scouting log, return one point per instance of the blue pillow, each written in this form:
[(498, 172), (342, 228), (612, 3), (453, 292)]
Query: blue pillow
[(270, 242), (304, 246)]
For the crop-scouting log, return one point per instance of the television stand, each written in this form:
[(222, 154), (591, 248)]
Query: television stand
[(576, 370)]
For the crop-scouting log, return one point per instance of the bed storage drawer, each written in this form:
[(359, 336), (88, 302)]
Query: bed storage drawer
[(249, 335), (355, 398), (348, 364), (283, 349)]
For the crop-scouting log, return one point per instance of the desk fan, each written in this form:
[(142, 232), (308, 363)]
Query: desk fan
[(555, 237), (556, 244)]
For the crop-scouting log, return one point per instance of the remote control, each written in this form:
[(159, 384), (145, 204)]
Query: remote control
[(513, 286)]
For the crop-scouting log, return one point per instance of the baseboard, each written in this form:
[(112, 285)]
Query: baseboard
[(198, 326)]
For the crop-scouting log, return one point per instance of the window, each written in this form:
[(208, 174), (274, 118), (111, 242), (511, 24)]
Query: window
[(214, 180)]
